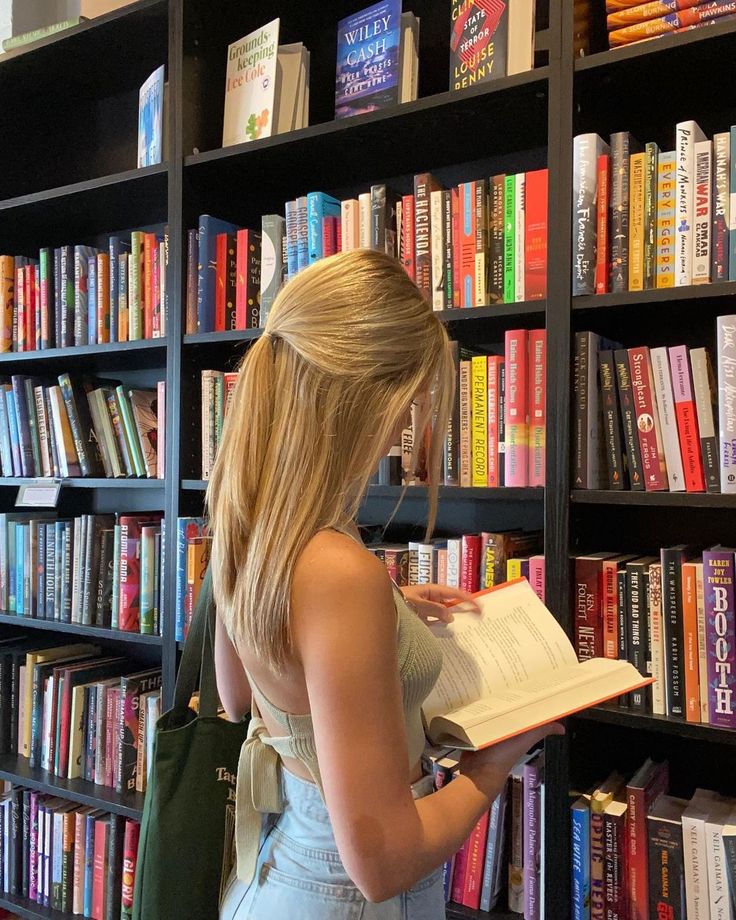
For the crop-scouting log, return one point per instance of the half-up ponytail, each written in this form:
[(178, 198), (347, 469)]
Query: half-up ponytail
[(349, 343)]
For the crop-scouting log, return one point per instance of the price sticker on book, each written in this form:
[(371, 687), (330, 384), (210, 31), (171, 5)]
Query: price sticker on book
[(41, 493)]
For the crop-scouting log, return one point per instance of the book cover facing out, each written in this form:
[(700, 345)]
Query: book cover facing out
[(250, 86), (150, 119), (478, 41), (368, 62)]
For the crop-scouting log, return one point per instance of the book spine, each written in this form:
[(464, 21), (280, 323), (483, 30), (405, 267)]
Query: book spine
[(519, 242), (702, 227), (685, 158), (537, 397), (665, 408), (475, 851), (580, 837), (609, 607), (666, 875), (638, 170), (666, 211), (495, 364), (597, 896), (647, 421), (620, 155), (587, 148), (650, 216), (466, 244), (614, 874), (732, 209), (672, 619), (690, 643), (437, 246), (479, 421), (611, 421), (130, 858), (470, 571), (603, 253), (480, 287), (637, 640), (496, 239), (509, 239), (726, 334), (721, 206), (516, 846), (516, 408), (687, 420), (718, 582), (588, 608), (465, 423), (449, 251), (423, 234), (704, 399), (535, 235), (532, 838), (702, 644), (408, 259), (659, 687)]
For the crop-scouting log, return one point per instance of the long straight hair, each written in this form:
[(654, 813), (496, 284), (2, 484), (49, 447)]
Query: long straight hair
[(349, 343)]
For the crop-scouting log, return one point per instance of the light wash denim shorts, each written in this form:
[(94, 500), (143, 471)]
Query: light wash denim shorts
[(299, 874)]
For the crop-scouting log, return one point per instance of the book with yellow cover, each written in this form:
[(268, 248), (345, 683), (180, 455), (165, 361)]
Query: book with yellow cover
[(636, 221), (479, 420), (512, 668)]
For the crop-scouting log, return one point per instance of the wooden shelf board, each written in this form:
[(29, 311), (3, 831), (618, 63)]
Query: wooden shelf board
[(612, 715), (77, 629), (653, 499), (17, 770)]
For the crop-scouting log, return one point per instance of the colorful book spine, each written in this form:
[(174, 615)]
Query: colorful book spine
[(586, 150), (466, 244), (638, 174), (475, 851), (647, 420), (704, 388), (519, 242), (509, 239), (687, 420), (726, 350), (721, 206), (702, 227), (622, 146), (718, 580), (687, 135), (732, 211), (537, 398), (603, 248), (667, 420), (666, 201), (516, 408), (535, 235), (650, 215), (495, 421), (532, 841), (580, 837), (479, 421)]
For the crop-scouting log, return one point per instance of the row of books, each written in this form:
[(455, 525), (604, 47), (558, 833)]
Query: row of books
[(672, 616), (645, 218), (470, 562), (377, 63), (193, 544), (638, 851), (93, 570), (77, 860), (84, 427), (631, 21), (478, 243), (505, 849), (81, 295), (650, 419), (77, 713), (217, 393)]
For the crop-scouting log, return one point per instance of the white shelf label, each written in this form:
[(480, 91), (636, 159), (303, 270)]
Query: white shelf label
[(39, 494)]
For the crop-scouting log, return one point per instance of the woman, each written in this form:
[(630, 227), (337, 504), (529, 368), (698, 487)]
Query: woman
[(332, 816)]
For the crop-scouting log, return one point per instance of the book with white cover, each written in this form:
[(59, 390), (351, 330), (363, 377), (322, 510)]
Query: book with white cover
[(720, 812), (250, 86), (291, 106), (512, 668), (150, 119), (520, 54), (694, 853), (667, 419)]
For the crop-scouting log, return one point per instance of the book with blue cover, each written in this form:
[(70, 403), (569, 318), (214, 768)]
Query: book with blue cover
[(150, 119), (369, 60), (209, 227)]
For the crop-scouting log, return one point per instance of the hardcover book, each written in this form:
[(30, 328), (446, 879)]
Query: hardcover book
[(250, 86), (150, 119), (478, 41)]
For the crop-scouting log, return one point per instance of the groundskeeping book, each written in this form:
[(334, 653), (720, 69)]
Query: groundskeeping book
[(250, 86), (510, 669)]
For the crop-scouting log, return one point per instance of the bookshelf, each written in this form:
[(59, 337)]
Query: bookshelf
[(76, 181)]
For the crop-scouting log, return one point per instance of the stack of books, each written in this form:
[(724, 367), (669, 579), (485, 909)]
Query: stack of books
[(93, 570), (672, 616), (81, 295), (475, 244), (78, 714), (471, 562), (632, 21), (650, 419), (505, 848), (639, 852), (66, 857), (85, 427), (644, 218)]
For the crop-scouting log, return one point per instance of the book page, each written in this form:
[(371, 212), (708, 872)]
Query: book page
[(513, 640)]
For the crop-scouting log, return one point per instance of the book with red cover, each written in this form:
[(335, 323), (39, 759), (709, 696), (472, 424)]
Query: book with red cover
[(470, 564), (466, 243), (687, 419), (130, 568), (455, 207), (647, 783), (329, 235), (149, 241), (647, 420), (516, 408), (537, 396), (248, 286), (603, 243), (535, 234), (589, 605), (99, 871), (130, 859), (220, 272), (495, 365), (103, 298), (407, 236), (156, 269), (458, 873), (475, 850)]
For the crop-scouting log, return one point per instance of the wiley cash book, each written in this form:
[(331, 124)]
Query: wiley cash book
[(510, 669)]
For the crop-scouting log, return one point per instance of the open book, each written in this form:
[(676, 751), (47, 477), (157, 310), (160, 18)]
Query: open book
[(511, 669)]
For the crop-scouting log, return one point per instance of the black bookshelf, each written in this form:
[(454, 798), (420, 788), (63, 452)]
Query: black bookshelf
[(29, 910), (74, 185)]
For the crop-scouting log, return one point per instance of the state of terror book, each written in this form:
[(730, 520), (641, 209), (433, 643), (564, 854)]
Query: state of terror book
[(512, 668), (478, 41), (369, 60)]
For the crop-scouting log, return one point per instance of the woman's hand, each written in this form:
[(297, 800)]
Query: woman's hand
[(431, 601), (486, 767)]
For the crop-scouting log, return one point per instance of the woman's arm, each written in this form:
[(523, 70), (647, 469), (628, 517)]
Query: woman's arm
[(232, 684), (344, 627)]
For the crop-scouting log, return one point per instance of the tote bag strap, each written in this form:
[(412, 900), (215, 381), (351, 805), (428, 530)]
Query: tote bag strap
[(198, 657)]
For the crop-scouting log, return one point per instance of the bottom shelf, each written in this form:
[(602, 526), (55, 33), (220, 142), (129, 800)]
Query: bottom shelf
[(29, 910)]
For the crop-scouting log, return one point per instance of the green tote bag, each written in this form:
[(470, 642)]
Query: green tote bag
[(189, 812)]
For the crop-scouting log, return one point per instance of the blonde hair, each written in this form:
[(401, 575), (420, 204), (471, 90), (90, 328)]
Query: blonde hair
[(347, 346)]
